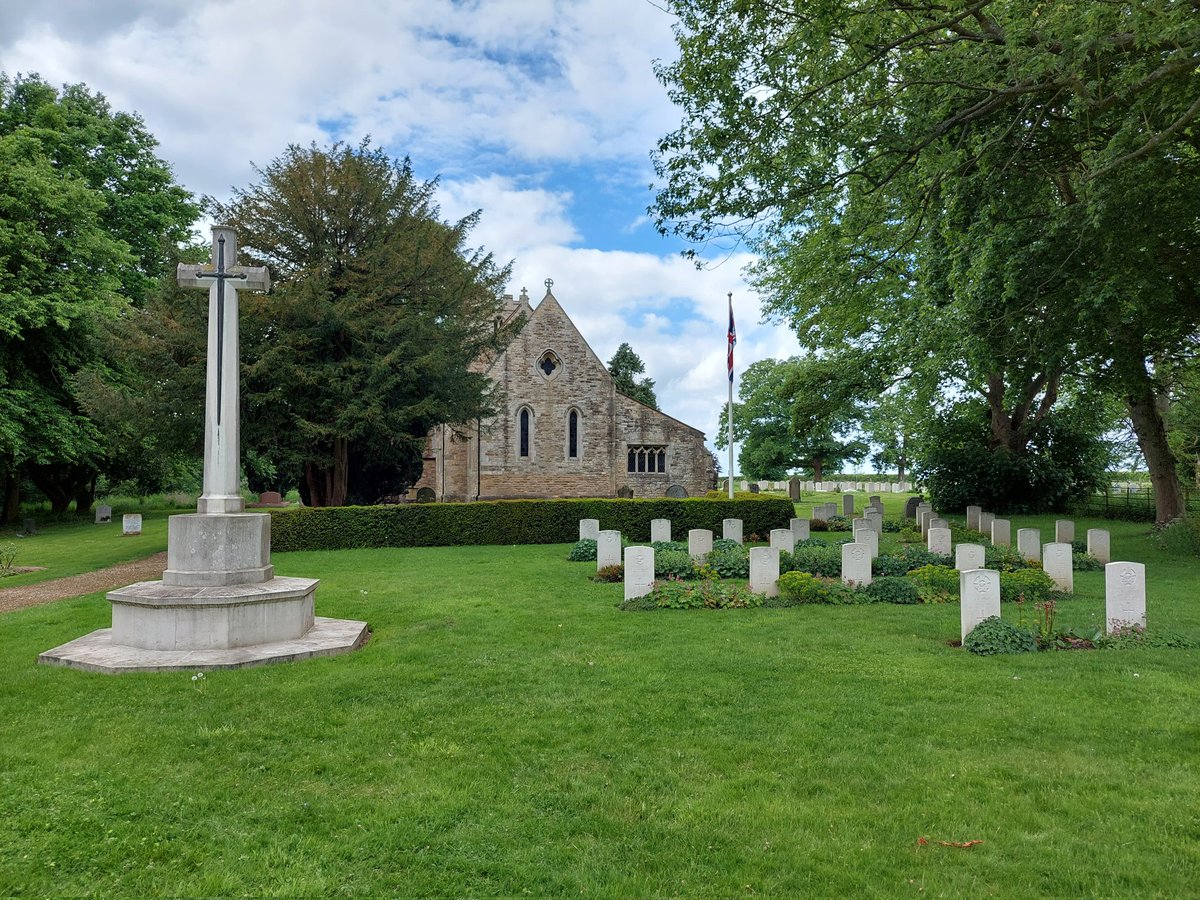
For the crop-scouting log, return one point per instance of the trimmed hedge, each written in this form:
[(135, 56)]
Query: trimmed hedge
[(509, 521)]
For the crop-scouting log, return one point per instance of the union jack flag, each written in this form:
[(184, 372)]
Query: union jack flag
[(732, 337)]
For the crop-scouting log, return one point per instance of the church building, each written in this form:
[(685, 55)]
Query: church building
[(563, 430)]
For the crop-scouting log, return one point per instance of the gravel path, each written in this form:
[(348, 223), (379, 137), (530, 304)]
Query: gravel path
[(148, 569)]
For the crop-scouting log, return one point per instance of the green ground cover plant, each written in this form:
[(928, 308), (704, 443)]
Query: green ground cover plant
[(509, 731)]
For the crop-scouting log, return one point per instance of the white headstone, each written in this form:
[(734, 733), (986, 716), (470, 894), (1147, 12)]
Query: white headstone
[(800, 529), (973, 513), (818, 512), (1097, 544), (856, 564), (131, 523), (875, 517), (868, 538), (731, 529), (1002, 532), (938, 541), (782, 539), (103, 515), (1124, 596), (985, 523), (699, 543), (660, 530), (979, 597), (639, 571), (1056, 561), (1064, 531), (1029, 543), (924, 517), (589, 529), (608, 549), (969, 556), (764, 571)]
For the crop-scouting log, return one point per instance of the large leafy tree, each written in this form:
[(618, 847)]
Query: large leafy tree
[(1001, 191), (779, 426), (625, 367), (367, 338), (86, 210)]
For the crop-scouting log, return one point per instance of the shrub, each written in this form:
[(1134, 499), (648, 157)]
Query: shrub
[(583, 551), (1085, 562), (507, 521), (893, 590), (818, 525), (1135, 637), (994, 635), (893, 525), (935, 583), (731, 562), (725, 544), (796, 588), (837, 523), (705, 595), (674, 564), (1003, 559), (819, 559), (1032, 585), (903, 559), (8, 559), (663, 546), (610, 574)]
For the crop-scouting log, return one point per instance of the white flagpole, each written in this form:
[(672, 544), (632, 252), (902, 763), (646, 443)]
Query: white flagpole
[(730, 434)]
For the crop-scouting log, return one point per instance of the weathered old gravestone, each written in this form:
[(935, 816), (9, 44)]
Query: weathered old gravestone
[(985, 522), (924, 517), (847, 505), (910, 507), (1029, 543), (800, 529), (764, 571), (818, 512), (1056, 561), (608, 549), (968, 556), (979, 598), (782, 539), (938, 541), (875, 517), (28, 527), (1124, 596), (131, 524), (973, 517), (699, 543), (218, 604), (426, 495), (856, 564), (1002, 532), (794, 489), (677, 492), (660, 530), (1064, 531), (625, 492), (639, 571), (103, 515), (731, 529), (589, 529), (754, 488), (1098, 544)]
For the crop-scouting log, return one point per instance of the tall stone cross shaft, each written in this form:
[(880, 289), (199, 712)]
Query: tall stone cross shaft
[(222, 433)]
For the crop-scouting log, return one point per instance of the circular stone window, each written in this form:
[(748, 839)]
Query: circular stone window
[(549, 364)]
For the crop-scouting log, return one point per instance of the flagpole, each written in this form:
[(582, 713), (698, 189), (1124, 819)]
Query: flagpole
[(730, 434)]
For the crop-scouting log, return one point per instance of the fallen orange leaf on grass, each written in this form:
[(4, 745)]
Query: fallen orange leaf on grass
[(962, 845)]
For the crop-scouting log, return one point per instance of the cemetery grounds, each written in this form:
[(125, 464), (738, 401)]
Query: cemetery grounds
[(508, 731)]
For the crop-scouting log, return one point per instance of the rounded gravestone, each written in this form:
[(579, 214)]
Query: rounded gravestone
[(625, 492), (910, 507), (677, 491), (754, 489), (426, 495)]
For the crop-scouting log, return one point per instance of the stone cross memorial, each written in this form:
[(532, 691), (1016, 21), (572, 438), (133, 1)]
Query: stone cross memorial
[(219, 604)]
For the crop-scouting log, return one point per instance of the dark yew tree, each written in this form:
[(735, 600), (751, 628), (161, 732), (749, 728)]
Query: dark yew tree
[(377, 311), (625, 367), (997, 192)]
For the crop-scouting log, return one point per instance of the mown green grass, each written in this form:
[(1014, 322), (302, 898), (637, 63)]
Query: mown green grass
[(508, 731), (70, 548)]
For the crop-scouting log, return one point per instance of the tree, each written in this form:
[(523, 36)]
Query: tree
[(84, 208), (367, 339), (624, 367), (779, 430), (959, 167)]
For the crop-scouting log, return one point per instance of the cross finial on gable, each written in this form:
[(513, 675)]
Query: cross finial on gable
[(549, 284)]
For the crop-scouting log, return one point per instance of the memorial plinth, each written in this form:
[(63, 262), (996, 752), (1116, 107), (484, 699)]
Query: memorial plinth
[(218, 605)]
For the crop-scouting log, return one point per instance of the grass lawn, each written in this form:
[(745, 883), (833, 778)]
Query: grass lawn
[(508, 731)]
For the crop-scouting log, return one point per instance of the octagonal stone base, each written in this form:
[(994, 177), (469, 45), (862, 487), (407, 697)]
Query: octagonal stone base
[(97, 652)]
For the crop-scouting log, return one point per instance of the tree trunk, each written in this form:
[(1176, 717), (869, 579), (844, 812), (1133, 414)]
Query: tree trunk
[(10, 500), (1142, 402), (85, 496), (327, 484), (61, 483), (816, 467)]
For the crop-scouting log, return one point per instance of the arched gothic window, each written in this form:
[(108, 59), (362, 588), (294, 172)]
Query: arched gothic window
[(525, 426), (573, 434)]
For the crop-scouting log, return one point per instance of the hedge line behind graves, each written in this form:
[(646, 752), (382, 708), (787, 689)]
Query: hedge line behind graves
[(511, 521)]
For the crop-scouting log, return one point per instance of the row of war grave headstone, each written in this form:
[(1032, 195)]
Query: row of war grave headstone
[(979, 588), (131, 523), (795, 486)]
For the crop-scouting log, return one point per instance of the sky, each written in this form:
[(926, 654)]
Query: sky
[(541, 113)]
